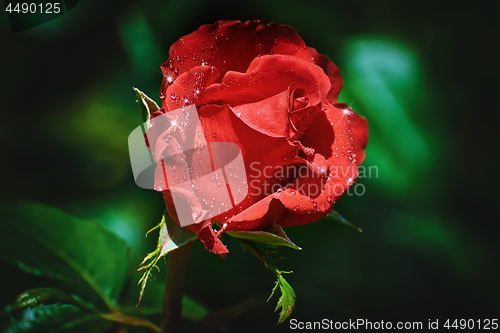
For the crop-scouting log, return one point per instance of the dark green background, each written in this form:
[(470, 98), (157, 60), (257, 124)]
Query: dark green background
[(424, 74)]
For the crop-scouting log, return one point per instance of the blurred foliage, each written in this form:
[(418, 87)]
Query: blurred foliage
[(426, 77), (383, 78)]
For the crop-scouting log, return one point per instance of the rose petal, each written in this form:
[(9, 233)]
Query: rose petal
[(359, 132), (231, 46), (331, 70), (290, 218), (212, 243), (336, 147), (272, 75), (276, 116), (186, 89), (259, 216), (322, 80)]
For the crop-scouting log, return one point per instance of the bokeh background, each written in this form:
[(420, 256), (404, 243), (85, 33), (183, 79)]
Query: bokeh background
[(424, 74)]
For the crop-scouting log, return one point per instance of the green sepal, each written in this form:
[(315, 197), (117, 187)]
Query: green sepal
[(335, 216), (147, 107), (273, 237), (171, 237)]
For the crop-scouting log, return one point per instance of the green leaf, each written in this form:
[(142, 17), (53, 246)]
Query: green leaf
[(89, 260), (53, 318), (45, 296), (147, 106), (171, 237), (48, 296), (287, 300), (335, 216), (274, 236)]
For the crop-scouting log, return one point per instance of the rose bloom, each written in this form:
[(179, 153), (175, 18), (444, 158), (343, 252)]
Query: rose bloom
[(259, 86)]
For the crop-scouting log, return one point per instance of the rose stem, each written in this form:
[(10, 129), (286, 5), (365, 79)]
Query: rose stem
[(172, 301)]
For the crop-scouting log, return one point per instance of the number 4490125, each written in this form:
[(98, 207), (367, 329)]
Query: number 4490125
[(49, 8), (486, 324)]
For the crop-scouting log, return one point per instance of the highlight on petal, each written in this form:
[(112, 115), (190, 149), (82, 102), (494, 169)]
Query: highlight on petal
[(188, 87), (358, 130)]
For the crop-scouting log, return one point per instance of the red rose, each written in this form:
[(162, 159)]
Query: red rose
[(259, 86)]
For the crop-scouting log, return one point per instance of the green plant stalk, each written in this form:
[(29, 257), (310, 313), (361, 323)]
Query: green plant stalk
[(172, 301)]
